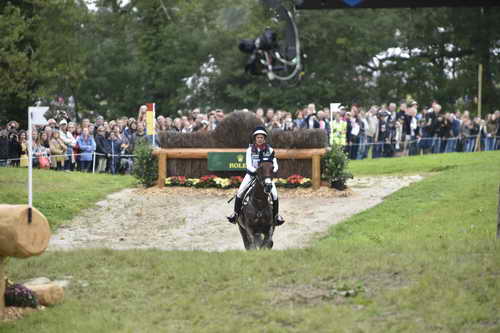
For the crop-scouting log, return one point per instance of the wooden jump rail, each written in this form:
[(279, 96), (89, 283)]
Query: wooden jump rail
[(202, 153)]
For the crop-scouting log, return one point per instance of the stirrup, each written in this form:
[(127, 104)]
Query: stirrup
[(232, 218), (279, 220)]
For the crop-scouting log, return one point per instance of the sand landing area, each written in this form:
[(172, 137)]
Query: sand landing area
[(180, 218)]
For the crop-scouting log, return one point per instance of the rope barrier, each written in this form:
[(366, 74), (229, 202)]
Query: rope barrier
[(432, 140)]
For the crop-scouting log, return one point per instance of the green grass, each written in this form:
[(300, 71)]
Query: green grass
[(425, 260), (58, 195), (420, 164)]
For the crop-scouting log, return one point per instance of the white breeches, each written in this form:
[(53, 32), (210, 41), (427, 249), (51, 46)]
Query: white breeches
[(246, 183)]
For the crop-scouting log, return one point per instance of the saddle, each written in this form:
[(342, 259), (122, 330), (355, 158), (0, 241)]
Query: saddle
[(246, 194)]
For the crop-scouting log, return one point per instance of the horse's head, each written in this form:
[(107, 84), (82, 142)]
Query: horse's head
[(265, 175)]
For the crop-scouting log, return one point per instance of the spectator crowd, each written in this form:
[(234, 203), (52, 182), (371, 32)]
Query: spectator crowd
[(378, 131)]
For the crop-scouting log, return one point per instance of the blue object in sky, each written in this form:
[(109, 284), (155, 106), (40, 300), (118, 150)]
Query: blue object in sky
[(353, 3)]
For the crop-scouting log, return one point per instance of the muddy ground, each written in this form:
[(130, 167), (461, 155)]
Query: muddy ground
[(194, 219)]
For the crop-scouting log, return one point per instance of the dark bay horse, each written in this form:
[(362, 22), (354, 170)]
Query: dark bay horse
[(256, 222)]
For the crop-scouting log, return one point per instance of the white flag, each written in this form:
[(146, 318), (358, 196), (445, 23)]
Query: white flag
[(334, 107), (37, 115)]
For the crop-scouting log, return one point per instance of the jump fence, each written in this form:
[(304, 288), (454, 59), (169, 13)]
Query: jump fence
[(165, 155)]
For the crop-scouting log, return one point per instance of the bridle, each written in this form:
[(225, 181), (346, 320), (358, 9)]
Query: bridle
[(265, 182)]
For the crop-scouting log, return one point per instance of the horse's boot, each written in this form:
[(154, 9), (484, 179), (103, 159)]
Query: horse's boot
[(238, 202), (278, 219)]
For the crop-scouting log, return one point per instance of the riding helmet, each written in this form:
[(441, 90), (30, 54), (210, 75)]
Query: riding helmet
[(260, 130)]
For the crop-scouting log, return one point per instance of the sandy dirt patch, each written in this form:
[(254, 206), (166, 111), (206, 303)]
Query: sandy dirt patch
[(194, 219)]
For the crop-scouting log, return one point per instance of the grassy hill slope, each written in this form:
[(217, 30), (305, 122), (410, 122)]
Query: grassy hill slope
[(424, 260)]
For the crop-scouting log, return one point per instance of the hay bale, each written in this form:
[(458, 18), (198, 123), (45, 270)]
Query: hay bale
[(299, 139), (235, 131), (186, 140)]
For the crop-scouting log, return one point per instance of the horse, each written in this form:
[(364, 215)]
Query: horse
[(256, 222)]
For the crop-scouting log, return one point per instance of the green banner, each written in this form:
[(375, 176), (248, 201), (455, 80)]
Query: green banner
[(226, 162)]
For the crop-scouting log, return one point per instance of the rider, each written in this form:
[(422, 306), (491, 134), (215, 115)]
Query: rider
[(255, 153)]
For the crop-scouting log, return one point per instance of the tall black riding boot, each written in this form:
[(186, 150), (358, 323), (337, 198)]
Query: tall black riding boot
[(278, 219), (238, 202)]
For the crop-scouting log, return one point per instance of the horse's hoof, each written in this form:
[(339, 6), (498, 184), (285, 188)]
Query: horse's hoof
[(279, 221), (232, 218)]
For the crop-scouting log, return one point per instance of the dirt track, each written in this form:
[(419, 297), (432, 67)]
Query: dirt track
[(194, 219)]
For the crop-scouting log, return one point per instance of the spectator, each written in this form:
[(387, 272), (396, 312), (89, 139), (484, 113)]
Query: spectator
[(269, 118), (87, 147), (355, 129), (14, 149), (311, 120), (57, 151), (103, 150), (4, 147), (99, 121), (362, 136), (455, 124), (115, 149), (299, 119), (288, 124), (443, 132), (491, 131), (371, 129), (24, 149), (324, 123), (41, 152), (66, 134), (338, 130), (409, 135)]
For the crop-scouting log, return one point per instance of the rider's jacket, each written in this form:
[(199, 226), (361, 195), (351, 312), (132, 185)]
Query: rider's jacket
[(254, 155)]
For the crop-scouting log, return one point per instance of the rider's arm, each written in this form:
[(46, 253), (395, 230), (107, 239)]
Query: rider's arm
[(250, 167)]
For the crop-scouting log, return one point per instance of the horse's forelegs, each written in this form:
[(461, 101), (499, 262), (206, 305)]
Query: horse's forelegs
[(268, 240), (252, 240), (244, 236)]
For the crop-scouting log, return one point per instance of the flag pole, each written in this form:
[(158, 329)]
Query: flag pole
[(154, 123), (480, 90), (30, 165)]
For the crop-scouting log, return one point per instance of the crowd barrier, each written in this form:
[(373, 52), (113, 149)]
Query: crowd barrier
[(313, 154)]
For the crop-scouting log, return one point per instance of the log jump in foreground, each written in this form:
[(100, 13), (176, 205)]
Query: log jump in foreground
[(20, 238)]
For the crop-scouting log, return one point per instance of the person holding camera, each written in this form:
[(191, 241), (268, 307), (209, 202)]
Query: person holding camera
[(14, 150)]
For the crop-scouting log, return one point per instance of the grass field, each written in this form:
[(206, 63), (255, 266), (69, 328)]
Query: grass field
[(425, 260), (58, 195)]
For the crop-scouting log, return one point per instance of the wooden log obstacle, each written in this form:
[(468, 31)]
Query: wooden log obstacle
[(202, 153), (20, 237)]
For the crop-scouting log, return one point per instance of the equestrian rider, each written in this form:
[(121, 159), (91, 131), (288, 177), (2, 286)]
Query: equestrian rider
[(255, 152)]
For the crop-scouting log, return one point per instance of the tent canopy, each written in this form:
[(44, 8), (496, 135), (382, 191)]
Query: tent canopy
[(343, 4)]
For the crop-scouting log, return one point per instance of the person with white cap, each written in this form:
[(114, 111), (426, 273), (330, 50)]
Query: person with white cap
[(68, 139), (257, 151)]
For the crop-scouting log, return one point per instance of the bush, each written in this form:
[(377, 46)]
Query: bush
[(145, 164), (334, 165)]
